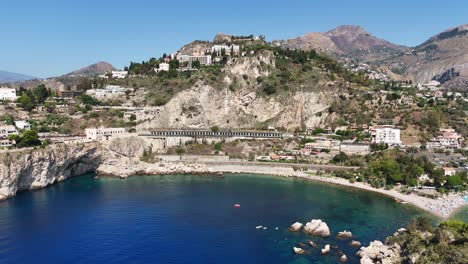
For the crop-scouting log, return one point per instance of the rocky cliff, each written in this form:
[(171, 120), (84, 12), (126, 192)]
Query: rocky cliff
[(238, 102), (32, 169)]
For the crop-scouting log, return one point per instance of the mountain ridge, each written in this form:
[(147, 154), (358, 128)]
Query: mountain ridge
[(95, 69), (6, 77)]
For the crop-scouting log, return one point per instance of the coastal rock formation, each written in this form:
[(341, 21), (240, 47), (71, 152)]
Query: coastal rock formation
[(343, 258), (37, 168), (298, 250), (317, 228), (207, 104), (129, 168), (325, 250), (296, 227), (377, 252), (345, 234), (355, 243), (312, 244)]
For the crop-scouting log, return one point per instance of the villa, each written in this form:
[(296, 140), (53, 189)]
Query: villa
[(8, 94)]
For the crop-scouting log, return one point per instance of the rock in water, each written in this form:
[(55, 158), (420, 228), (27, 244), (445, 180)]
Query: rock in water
[(355, 243), (345, 235), (317, 228), (377, 251), (326, 249), (296, 227), (343, 258), (298, 250)]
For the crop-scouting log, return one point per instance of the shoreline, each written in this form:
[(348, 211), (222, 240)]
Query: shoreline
[(442, 208)]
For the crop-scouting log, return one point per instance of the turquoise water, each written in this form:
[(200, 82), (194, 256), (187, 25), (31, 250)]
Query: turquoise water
[(188, 219)]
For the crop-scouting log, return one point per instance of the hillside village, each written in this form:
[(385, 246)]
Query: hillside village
[(366, 115)]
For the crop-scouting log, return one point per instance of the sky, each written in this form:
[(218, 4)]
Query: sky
[(46, 38)]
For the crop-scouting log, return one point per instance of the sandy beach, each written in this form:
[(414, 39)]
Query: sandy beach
[(442, 207)]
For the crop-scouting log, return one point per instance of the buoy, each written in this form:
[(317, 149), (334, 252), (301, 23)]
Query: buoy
[(237, 205)]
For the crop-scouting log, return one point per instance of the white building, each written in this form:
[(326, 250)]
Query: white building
[(108, 91), (386, 135), (119, 74), (104, 133), (21, 124), (7, 130), (8, 94), (228, 49), (203, 59), (162, 67), (447, 138)]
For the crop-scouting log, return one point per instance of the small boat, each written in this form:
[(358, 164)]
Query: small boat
[(237, 205), (264, 228), (258, 227)]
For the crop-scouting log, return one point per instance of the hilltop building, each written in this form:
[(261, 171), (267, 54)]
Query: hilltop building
[(203, 59), (8, 94), (447, 138), (23, 125), (386, 135)]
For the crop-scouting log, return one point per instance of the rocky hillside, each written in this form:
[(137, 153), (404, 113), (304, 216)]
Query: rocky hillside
[(33, 169), (237, 98), (443, 57), (93, 70), (347, 42)]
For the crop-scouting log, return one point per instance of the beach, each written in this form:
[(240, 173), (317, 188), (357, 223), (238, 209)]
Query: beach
[(442, 207)]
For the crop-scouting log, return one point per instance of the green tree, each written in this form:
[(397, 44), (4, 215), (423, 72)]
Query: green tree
[(454, 181), (196, 64), (26, 102), (40, 94)]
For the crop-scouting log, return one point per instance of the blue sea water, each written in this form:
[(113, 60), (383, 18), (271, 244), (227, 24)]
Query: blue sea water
[(189, 219)]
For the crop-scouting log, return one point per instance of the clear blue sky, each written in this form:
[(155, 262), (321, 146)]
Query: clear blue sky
[(52, 37)]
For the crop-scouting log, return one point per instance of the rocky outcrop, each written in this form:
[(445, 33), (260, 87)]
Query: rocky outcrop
[(296, 227), (345, 235), (377, 252), (355, 243), (317, 228), (343, 258), (298, 250), (207, 104), (325, 250), (125, 169), (32, 169)]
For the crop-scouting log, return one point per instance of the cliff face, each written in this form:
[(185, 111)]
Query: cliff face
[(239, 104), (33, 169)]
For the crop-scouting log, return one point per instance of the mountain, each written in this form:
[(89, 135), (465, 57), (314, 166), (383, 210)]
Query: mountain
[(346, 41), (6, 77), (101, 67), (444, 58)]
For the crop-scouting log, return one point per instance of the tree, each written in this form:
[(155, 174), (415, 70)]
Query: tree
[(454, 181), (196, 64), (40, 94), (218, 146), (340, 158), (132, 117), (30, 138), (26, 102), (9, 120), (215, 128)]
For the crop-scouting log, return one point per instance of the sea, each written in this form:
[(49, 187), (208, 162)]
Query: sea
[(191, 219)]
